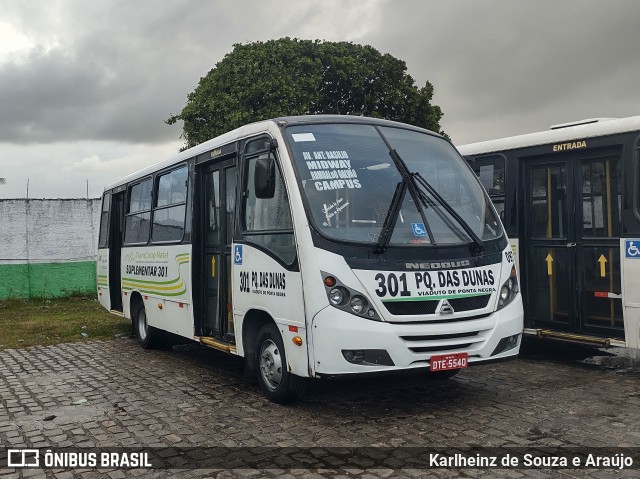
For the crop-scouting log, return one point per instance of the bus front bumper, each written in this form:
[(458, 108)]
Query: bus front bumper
[(348, 344)]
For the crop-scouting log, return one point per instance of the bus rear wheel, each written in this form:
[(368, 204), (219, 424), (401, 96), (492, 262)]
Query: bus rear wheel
[(275, 380), (144, 332)]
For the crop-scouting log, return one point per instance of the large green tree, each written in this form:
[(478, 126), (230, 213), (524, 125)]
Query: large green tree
[(287, 76)]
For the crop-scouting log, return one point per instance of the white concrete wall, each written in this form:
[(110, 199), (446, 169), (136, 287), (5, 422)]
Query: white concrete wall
[(48, 247), (49, 230)]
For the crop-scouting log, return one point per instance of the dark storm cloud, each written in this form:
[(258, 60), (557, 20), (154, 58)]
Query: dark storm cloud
[(90, 86), (87, 102), (119, 69), (504, 67), (115, 70)]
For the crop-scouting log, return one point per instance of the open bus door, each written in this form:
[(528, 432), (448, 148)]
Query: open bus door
[(217, 193), (115, 250)]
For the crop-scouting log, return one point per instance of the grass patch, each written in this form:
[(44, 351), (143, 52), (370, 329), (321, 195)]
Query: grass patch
[(51, 321)]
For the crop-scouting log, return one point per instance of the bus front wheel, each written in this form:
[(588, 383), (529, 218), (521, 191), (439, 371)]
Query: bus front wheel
[(143, 330), (275, 380)]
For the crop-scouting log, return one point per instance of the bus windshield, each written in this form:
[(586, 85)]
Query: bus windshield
[(349, 179)]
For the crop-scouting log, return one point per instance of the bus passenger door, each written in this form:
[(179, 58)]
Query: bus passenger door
[(599, 219), (573, 218), (218, 194), (550, 253), (115, 251)]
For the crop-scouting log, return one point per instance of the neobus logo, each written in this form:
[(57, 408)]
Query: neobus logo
[(439, 265)]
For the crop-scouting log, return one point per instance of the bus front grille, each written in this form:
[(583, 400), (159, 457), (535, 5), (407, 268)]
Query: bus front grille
[(432, 343), (470, 303), (409, 308), (437, 349)]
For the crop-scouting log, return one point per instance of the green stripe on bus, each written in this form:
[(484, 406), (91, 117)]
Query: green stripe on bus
[(149, 282), (157, 287), (434, 298), (159, 293)]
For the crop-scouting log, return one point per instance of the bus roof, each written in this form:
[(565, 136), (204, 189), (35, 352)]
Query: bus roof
[(249, 130), (221, 140), (558, 133)]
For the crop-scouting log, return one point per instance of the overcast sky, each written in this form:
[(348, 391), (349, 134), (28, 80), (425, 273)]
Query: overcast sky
[(85, 86)]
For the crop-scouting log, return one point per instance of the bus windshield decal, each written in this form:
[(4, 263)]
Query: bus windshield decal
[(331, 170), (297, 137)]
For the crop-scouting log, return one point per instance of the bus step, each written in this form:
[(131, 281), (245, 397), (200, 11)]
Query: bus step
[(218, 344), (116, 312), (574, 338)]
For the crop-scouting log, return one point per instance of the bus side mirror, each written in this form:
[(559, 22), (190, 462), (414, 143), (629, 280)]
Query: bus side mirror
[(264, 177)]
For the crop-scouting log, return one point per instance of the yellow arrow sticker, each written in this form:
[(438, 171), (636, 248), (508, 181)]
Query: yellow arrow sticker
[(549, 260), (213, 266), (602, 260)]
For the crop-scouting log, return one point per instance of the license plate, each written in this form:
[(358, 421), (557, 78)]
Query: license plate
[(446, 362)]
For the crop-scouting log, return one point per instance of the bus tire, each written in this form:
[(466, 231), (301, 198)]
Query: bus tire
[(277, 383), (144, 332)]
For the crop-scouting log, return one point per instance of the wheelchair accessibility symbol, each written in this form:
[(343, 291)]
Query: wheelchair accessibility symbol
[(632, 248), (418, 229), (237, 254)]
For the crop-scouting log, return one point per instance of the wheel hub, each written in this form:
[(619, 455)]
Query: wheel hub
[(271, 364), (142, 325)]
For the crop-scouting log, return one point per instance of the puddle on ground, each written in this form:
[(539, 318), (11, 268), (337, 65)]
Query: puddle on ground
[(617, 359)]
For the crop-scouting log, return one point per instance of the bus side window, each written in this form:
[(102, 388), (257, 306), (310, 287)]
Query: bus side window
[(270, 215), (491, 172), (104, 222), (169, 211), (138, 219)]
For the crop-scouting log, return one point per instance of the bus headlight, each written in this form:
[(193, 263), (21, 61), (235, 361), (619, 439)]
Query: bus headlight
[(504, 292), (509, 289), (347, 299), (337, 296), (358, 304)]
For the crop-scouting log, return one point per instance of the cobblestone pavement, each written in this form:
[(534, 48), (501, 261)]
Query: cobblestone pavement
[(198, 397)]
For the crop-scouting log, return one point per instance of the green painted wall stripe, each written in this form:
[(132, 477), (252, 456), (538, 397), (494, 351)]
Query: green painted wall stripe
[(47, 280)]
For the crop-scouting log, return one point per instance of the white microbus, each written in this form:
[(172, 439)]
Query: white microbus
[(315, 246)]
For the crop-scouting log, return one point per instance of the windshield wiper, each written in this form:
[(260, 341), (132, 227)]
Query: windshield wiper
[(422, 182), (392, 216), (416, 185), (407, 183)]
